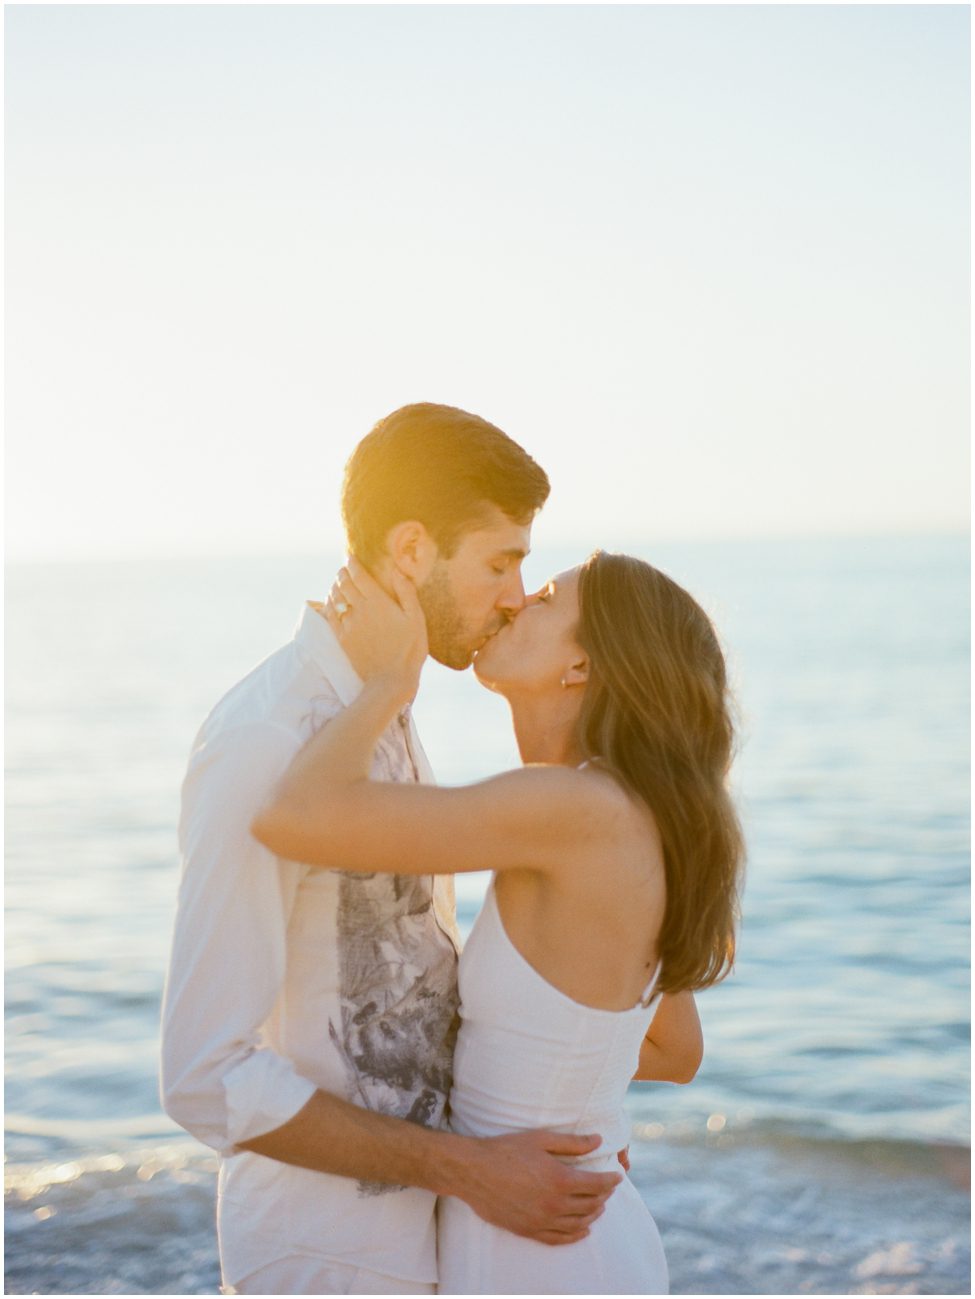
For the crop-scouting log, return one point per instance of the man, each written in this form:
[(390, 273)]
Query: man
[(309, 1015)]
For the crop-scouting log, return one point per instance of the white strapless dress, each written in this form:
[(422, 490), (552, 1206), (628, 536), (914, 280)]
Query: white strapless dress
[(528, 1056)]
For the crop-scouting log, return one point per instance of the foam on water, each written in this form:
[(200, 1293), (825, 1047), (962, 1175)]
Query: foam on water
[(140, 1224), (807, 1222)]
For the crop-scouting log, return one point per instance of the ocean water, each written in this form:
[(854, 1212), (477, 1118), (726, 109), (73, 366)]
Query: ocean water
[(823, 1147)]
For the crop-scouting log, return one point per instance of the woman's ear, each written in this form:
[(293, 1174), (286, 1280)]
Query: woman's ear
[(578, 674), (412, 551)]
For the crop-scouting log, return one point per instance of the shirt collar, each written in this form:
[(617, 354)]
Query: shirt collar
[(318, 644)]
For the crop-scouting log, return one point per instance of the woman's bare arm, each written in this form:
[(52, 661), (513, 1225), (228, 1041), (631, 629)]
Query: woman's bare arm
[(326, 811), (673, 1048)]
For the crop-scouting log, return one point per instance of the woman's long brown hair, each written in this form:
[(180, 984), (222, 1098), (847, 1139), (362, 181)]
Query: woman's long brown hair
[(656, 713)]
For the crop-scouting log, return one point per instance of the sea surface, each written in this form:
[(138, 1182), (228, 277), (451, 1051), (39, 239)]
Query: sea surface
[(823, 1147)]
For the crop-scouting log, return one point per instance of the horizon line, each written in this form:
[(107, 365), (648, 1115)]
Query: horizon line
[(330, 550)]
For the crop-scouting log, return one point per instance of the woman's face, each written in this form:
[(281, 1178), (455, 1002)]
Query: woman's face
[(538, 649)]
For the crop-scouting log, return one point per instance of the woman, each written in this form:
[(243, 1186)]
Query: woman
[(616, 853)]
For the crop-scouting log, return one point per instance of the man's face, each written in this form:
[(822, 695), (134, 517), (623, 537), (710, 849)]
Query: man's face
[(474, 593)]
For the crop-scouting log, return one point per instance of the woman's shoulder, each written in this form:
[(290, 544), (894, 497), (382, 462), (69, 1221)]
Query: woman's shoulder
[(590, 795), (602, 840)]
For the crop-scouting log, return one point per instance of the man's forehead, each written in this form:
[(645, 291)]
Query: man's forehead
[(510, 539), (500, 534)]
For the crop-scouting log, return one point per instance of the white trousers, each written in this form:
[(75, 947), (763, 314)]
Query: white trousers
[(302, 1274)]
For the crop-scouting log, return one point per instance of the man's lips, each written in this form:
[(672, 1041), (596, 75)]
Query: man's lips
[(490, 636)]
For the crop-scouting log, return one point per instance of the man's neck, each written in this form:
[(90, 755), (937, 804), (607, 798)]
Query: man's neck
[(381, 572)]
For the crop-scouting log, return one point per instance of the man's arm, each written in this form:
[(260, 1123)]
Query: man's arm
[(517, 1181), (228, 953)]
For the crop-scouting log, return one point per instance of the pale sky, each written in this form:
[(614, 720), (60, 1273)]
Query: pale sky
[(710, 265)]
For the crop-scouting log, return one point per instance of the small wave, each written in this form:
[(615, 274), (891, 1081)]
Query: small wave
[(892, 1156)]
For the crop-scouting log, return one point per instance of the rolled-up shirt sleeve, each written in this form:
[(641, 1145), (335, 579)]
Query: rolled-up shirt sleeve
[(219, 1080)]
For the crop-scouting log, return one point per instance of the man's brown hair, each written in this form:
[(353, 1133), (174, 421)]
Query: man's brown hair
[(440, 466)]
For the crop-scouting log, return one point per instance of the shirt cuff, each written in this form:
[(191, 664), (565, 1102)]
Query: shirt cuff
[(263, 1092)]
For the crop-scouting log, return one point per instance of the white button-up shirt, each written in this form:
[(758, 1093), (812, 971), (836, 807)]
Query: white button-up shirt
[(284, 979)]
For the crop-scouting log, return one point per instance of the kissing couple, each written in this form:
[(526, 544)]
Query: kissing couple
[(393, 1115)]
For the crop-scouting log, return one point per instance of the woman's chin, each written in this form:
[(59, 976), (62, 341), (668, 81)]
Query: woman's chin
[(485, 669)]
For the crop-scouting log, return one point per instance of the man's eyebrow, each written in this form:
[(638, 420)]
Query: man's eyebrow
[(515, 552)]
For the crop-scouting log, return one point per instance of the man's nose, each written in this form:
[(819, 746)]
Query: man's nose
[(512, 599)]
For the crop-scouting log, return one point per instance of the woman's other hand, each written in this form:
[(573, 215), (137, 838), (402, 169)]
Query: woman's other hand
[(384, 636)]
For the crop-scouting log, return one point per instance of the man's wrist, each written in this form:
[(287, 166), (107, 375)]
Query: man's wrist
[(450, 1164)]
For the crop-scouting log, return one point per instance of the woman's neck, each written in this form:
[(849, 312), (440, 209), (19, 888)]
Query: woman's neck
[(546, 732)]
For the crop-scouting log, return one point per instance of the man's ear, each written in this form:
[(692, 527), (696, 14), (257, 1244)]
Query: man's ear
[(412, 551), (578, 673)]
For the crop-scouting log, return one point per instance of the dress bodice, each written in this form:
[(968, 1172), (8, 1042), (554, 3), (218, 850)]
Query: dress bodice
[(529, 1056)]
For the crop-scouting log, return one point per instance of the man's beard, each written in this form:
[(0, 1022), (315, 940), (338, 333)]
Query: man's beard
[(448, 638)]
